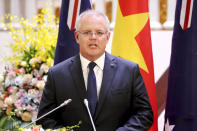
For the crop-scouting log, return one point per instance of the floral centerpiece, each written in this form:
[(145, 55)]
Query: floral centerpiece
[(22, 81)]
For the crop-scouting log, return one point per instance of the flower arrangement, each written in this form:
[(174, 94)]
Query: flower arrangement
[(22, 92), (36, 39), (39, 128), (22, 82)]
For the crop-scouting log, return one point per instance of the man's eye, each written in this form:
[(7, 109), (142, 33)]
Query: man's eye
[(86, 33), (99, 33)]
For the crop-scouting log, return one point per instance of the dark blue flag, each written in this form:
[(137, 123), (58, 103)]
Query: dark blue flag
[(181, 105), (66, 43)]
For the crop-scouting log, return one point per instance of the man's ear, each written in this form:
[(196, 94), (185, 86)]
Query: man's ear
[(76, 36), (108, 35)]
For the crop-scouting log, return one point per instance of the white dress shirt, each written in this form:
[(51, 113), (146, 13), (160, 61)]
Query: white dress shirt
[(98, 70)]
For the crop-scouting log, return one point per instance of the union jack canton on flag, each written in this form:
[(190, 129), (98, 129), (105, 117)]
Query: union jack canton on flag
[(66, 43)]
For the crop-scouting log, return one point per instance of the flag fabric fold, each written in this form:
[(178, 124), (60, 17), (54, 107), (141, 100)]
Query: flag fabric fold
[(181, 104), (132, 41), (66, 43)]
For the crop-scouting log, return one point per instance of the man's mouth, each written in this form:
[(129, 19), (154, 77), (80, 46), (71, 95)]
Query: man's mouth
[(93, 45)]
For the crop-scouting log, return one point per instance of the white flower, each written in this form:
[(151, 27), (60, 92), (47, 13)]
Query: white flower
[(1, 78), (33, 61), (36, 73), (40, 84), (9, 101), (45, 78), (28, 77), (34, 81), (44, 67), (33, 93), (29, 108), (19, 80), (23, 63), (9, 81), (34, 115), (1, 104)]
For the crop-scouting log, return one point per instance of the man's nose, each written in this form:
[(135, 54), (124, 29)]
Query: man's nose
[(93, 35)]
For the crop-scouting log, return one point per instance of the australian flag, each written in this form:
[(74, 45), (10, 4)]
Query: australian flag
[(66, 43), (181, 105)]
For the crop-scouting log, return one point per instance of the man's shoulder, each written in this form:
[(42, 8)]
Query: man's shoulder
[(64, 64), (121, 60)]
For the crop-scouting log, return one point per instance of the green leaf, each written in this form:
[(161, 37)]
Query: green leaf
[(2, 121), (1, 113), (9, 123), (23, 124), (52, 52)]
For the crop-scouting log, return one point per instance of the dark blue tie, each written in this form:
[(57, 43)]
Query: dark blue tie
[(91, 89)]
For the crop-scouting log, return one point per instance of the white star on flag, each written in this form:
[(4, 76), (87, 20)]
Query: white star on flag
[(168, 127)]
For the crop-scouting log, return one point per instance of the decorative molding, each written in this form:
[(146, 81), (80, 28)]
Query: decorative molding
[(108, 8), (163, 11), (57, 13)]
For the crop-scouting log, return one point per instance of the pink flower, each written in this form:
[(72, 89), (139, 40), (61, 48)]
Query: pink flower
[(12, 89), (19, 114), (11, 74), (22, 71), (18, 103), (20, 93), (9, 89)]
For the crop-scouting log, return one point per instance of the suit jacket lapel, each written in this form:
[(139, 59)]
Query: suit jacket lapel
[(76, 73), (108, 75)]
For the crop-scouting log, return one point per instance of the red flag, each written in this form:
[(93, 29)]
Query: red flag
[(132, 41)]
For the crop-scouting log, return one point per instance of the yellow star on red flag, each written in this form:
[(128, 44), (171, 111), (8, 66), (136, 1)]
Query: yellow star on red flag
[(127, 28)]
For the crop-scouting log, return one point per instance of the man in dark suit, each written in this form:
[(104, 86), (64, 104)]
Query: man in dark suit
[(120, 100)]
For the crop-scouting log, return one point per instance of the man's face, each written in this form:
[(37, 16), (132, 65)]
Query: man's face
[(92, 44)]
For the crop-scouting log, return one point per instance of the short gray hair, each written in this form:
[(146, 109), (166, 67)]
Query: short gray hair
[(91, 13)]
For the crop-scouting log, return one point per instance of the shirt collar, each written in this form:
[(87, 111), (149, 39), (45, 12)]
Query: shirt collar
[(99, 62)]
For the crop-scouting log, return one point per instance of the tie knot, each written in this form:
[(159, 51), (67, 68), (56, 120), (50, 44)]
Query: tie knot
[(91, 65)]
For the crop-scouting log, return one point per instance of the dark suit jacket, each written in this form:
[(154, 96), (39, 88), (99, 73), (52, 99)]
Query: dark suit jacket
[(123, 101)]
